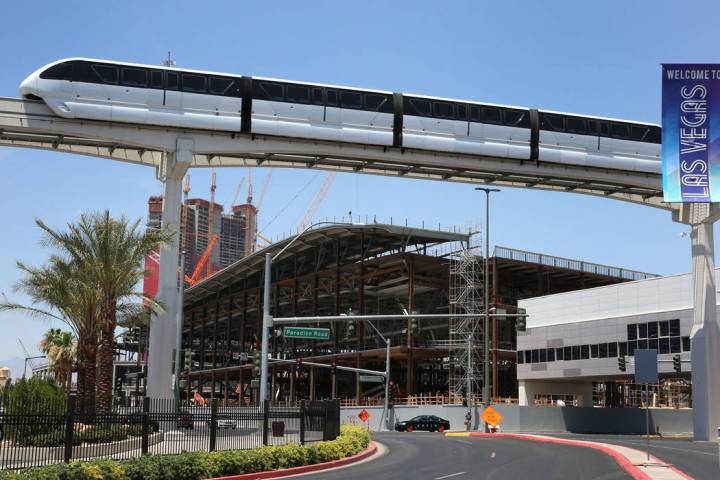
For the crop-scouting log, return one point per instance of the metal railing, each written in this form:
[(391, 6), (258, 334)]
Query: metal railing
[(42, 433), (570, 264)]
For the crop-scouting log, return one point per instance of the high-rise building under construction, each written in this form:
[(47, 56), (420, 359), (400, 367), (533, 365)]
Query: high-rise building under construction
[(236, 233)]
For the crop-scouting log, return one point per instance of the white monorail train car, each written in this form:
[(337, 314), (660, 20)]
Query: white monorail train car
[(146, 94)]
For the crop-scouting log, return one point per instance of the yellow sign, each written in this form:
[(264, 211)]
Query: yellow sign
[(491, 416)]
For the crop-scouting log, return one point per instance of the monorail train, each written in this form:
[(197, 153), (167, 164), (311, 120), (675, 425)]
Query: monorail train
[(145, 94)]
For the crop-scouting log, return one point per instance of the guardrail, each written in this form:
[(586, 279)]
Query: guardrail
[(570, 264)]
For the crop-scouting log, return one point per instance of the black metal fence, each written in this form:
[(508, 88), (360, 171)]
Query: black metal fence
[(42, 433)]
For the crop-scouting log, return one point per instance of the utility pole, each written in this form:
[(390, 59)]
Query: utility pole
[(486, 282)]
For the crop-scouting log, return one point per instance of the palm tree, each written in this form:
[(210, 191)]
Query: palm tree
[(62, 291), (113, 252), (61, 350)]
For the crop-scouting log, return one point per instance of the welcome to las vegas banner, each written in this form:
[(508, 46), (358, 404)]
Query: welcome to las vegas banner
[(691, 132)]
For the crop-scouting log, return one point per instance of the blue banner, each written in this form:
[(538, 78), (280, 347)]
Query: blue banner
[(691, 132)]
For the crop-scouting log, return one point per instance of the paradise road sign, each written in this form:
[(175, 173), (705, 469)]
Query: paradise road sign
[(307, 332), (372, 378), (491, 416)]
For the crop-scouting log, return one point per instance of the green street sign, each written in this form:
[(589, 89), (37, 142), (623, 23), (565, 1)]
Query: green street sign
[(305, 332)]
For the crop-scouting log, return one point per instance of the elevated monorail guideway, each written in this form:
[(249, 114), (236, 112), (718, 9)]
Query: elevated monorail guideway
[(31, 124), (175, 119)]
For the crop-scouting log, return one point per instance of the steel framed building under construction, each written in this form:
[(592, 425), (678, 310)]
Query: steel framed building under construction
[(372, 269)]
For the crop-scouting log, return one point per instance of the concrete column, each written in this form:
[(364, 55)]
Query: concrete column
[(705, 334), (164, 328)]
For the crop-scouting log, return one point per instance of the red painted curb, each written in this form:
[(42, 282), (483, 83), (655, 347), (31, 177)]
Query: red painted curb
[(284, 472), (624, 463)]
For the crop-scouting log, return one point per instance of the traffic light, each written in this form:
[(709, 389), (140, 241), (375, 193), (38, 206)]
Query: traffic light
[(677, 363), (333, 367), (257, 362), (188, 359), (521, 322), (298, 362), (350, 328), (621, 363), (391, 392)]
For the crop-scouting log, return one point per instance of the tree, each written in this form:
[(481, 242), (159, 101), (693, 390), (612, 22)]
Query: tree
[(61, 350), (112, 251), (63, 290)]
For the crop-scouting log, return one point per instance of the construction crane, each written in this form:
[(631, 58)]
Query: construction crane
[(313, 208), (28, 357), (197, 275), (211, 220), (264, 188), (237, 192)]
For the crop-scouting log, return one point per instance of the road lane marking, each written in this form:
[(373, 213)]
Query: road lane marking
[(448, 476)]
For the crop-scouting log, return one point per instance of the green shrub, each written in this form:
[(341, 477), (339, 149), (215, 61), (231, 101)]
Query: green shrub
[(37, 397), (197, 465)]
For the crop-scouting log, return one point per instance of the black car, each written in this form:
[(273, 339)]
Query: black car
[(185, 420), (429, 423)]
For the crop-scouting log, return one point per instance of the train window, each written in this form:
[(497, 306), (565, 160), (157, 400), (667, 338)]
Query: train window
[(444, 110), (106, 73), (331, 97), (317, 96), (593, 351), (543, 355), (604, 129), (559, 353), (591, 127), (520, 357), (639, 133), (298, 94), (491, 115), (475, 114), (619, 130), (461, 112), (374, 102), (134, 77), (528, 356), (516, 118), (61, 71), (350, 99), (585, 352), (219, 86), (567, 353), (575, 125), (156, 79), (417, 106), (654, 135), (554, 123), (268, 91), (193, 83), (171, 81)]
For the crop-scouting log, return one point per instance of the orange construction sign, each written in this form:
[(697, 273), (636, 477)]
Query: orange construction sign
[(363, 415), (491, 416)]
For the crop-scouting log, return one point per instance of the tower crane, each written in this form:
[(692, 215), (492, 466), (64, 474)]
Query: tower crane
[(211, 220), (313, 208), (266, 182), (237, 192)]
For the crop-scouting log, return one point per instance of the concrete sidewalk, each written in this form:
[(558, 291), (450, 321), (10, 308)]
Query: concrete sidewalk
[(633, 461)]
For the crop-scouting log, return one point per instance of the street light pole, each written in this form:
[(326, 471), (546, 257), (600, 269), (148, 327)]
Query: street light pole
[(486, 284), (267, 317), (386, 407)]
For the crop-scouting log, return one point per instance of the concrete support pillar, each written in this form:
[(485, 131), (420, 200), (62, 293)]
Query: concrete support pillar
[(705, 334), (164, 328)]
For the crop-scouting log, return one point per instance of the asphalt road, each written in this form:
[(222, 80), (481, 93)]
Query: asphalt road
[(699, 460), (432, 456)]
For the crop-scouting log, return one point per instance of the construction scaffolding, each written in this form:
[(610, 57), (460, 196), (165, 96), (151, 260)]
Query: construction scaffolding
[(466, 297)]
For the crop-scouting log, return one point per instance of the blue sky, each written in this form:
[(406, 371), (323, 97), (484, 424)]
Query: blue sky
[(599, 58)]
